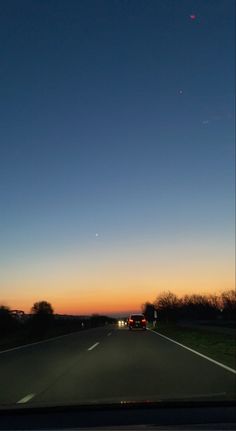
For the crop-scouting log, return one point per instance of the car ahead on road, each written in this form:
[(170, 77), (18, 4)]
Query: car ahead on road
[(137, 321)]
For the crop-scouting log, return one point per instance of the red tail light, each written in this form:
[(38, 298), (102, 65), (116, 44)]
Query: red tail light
[(131, 320), (144, 320)]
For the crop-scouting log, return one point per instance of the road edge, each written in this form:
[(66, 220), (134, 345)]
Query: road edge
[(232, 370)]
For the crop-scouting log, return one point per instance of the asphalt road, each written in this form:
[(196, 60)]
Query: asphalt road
[(109, 364)]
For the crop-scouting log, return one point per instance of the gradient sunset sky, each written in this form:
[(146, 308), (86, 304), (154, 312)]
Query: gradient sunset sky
[(116, 151)]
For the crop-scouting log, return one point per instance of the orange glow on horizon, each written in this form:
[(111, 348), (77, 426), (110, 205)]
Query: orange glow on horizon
[(116, 284), (102, 301)]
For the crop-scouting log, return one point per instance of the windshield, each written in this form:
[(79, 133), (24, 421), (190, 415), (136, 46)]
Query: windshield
[(137, 316), (116, 201)]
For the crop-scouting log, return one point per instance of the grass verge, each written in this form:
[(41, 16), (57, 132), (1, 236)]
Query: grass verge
[(220, 347)]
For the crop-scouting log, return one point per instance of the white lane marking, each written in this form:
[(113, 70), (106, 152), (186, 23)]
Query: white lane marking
[(232, 370), (93, 346), (47, 340), (109, 333), (26, 399)]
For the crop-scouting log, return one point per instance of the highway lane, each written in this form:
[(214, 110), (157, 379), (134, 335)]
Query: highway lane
[(109, 364), (31, 369)]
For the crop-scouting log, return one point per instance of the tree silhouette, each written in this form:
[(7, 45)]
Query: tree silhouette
[(228, 303), (4, 310), (199, 307), (42, 308), (7, 321), (167, 305), (193, 307), (148, 310), (42, 317)]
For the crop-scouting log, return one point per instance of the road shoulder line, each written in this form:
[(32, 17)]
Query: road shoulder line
[(23, 346), (26, 399), (232, 370), (93, 346)]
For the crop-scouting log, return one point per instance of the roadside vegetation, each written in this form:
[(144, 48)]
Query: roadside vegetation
[(206, 323), (17, 328)]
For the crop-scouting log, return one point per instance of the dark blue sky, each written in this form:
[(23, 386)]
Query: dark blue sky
[(116, 118)]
